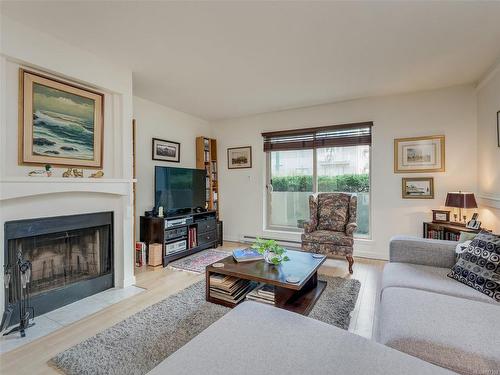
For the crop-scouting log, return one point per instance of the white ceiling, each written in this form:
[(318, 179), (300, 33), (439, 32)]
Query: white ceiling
[(227, 59)]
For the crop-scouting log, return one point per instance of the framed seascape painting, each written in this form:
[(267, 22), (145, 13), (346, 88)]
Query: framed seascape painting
[(59, 123), (419, 154), (418, 188), (239, 157), (166, 150)]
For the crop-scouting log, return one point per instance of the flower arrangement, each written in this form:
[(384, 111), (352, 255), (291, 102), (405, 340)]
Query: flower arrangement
[(272, 251)]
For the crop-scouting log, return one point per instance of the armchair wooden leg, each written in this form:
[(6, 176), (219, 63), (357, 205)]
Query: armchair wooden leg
[(350, 259)]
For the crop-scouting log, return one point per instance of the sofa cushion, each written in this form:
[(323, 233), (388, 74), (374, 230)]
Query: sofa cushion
[(451, 332), (479, 265), (326, 236), (333, 211), (254, 338), (432, 279)]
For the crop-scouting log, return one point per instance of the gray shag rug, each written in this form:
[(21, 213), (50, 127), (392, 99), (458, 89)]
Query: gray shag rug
[(138, 343)]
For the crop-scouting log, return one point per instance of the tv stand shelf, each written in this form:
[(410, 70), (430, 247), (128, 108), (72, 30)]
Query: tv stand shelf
[(178, 240)]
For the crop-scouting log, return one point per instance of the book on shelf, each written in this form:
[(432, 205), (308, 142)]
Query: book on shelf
[(192, 238), (229, 288), (246, 255), (262, 293)]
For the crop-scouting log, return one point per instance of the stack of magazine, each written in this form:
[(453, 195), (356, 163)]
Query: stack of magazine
[(229, 288), (262, 293)]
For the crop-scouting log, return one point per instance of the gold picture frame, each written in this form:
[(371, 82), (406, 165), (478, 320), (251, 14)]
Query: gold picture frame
[(419, 154), (417, 187), (59, 123)]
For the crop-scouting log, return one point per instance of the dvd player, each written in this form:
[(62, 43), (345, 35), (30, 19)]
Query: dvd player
[(169, 223)]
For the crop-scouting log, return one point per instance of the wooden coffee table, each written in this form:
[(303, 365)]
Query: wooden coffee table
[(298, 297)]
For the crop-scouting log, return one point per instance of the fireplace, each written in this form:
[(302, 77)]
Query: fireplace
[(71, 258)]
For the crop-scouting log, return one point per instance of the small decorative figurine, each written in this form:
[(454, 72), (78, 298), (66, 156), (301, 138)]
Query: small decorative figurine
[(38, 173), (41, 172), (97, 174), (77, 172), (48, 168), (68, 173)]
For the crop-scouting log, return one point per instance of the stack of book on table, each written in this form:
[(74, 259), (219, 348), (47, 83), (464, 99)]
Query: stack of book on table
[(229, 288), (246, 255), (262, 293)]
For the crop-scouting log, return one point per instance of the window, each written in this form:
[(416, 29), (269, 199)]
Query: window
[(294, 174)]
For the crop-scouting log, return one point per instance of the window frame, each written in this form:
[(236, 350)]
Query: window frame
[(284, 228)]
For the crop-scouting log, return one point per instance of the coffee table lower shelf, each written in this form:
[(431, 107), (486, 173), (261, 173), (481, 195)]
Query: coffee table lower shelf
[(301, 301)]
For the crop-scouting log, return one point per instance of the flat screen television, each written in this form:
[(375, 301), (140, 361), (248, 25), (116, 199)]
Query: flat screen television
[(179, 189)]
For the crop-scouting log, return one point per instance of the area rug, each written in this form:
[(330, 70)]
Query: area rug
[(198, 262), (138, 343)]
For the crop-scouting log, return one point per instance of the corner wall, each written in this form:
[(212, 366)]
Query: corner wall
[(488, 162), (157, 121), (450, 111)]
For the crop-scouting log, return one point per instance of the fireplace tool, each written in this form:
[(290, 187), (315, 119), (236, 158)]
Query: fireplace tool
[(26, 311)]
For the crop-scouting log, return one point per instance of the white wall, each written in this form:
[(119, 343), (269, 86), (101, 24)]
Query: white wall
[(451, 112), (22, 46), (488, 104), (157, 121)]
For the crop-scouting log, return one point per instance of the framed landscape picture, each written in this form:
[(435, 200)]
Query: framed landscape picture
[(59, 123), (419, 154), (418, 188), (239, 157), (166, 150)]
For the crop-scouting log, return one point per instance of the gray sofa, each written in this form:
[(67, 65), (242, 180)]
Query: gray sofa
[(257, 339), (426, 314)]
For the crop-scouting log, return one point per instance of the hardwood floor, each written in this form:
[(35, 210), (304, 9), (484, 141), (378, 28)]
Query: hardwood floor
[(158, 284)]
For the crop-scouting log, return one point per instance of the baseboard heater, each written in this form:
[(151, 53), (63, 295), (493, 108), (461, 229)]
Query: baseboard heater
[(286, 243)]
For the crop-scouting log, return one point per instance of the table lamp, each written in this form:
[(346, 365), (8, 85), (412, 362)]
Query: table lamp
[(460, 199)]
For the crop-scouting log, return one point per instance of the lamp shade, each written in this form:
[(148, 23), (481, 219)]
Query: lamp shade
[(461, 200)]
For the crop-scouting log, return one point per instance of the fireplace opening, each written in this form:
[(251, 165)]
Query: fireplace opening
[(71, 258)]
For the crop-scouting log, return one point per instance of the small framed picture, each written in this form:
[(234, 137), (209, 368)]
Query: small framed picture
[(166, 150), (419, 154), (239, 157), (418, 188), (440, 216)]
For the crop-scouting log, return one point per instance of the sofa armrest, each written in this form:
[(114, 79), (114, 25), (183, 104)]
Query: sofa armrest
[(427, 252)]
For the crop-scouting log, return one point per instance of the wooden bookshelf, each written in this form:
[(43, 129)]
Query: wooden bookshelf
[(206, 158), (446, 231)]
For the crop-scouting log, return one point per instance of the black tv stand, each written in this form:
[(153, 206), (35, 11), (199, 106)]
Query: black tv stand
[(180, 234)]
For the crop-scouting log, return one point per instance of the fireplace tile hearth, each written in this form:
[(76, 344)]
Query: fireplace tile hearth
[(66, 315)]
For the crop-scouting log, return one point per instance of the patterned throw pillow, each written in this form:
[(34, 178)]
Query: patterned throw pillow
[(479, 265)]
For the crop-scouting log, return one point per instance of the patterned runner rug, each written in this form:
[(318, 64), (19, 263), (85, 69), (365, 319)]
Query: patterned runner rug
[(199, 261)]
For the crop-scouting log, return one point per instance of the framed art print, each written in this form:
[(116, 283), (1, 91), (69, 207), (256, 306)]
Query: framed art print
[(419, 154), (59, 123), (166, 150), (418, 188), (239, 157)]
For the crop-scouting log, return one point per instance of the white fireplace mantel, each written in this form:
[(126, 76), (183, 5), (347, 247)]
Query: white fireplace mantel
[(19, 187)]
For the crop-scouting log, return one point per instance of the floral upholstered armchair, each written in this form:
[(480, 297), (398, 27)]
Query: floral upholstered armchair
[(332, 224)]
